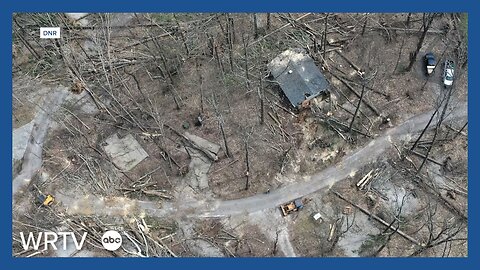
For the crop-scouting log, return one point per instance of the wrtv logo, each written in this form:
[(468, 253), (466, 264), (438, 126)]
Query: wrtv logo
[(42, 240)]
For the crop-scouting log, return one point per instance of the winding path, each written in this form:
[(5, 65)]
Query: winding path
[(219, 208)]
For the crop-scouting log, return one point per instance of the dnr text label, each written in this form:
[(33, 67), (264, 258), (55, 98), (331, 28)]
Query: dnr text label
[(49, 32)]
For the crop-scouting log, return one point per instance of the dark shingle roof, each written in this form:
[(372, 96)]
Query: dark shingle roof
[(298, 76)]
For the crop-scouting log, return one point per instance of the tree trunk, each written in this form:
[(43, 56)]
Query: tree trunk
[(247, 161), (460, 131), (365, 24), (407, 23), (439, 123), (384, 245), (221, 27), (176, 98), (358, 108), (200, 83), (255, 25), (24, 41), (426, 26), (268, 21), (219, 61), (324, 41), (232, 29), (399, 53), (262, 105), (182, 35), (230, 42), (246, 60), (425, 129), (220, 124), (227, 150)]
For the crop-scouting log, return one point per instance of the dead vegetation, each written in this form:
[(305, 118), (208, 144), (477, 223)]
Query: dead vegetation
[(157, 76)]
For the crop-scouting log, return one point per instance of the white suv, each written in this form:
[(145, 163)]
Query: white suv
[(448, 72)]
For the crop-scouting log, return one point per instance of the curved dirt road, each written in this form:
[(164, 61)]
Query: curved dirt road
[(326, 178), (218, 208)]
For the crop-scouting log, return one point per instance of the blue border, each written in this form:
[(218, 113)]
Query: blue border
[(6, 9)]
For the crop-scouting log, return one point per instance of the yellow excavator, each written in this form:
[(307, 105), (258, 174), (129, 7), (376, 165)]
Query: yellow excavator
[(291, 207), (44, 199)]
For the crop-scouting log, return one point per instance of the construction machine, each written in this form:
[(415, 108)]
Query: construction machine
[(44, 199), (291, 207)]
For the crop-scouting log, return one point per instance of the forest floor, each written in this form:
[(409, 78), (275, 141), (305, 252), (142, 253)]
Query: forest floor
[(150, 76)]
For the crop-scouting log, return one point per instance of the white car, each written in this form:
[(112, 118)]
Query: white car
[(448, 73)]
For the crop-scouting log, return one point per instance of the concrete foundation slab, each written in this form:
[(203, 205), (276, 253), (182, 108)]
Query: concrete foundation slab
[(126, 153)]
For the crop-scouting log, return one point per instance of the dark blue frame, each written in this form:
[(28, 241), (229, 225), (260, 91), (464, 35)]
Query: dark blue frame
[(6, 10)]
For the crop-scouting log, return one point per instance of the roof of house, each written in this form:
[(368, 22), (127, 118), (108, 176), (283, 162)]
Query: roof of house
[(298, 76)]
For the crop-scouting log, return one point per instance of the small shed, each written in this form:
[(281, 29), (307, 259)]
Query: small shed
[(298, 76)]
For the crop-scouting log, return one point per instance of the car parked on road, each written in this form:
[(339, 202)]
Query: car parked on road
[(430, 63), (448, 73)]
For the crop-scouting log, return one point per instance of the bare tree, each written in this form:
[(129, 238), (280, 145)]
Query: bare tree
[(365, 24), (255, 25), (400, 51), (247, 163), (221, 125), (262, 101), (395, 219), (275, 243), (20, 35), (437, 127), (230, 35), (245, 54), (407, 23), (182, 34), (447, 232), (200, 83), (176, 98), (460, 130), (358, 107), (324, 41), (268, 21), (427, 22)]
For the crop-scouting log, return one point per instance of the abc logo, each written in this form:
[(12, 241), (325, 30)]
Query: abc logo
[(111, 240)]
